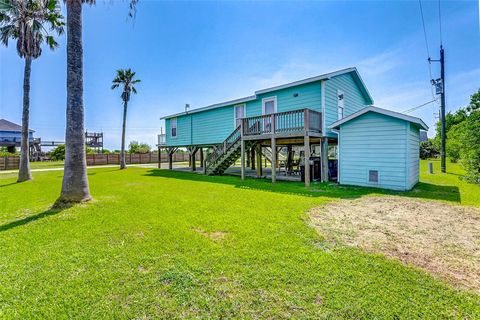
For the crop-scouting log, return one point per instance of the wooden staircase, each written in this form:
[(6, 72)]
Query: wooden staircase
[(225, 154)]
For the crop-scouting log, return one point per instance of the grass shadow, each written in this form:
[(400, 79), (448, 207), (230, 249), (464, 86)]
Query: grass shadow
[(47, 213), (8, 184), (328, 190)]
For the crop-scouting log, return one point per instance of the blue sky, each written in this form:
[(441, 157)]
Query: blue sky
[(207, 52)]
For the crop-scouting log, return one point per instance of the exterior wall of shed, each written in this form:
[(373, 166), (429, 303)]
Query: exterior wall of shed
[(413, 162), (214, 125), (375, 142)]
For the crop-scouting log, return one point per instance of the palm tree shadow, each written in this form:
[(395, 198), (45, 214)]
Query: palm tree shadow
[(55, 209)]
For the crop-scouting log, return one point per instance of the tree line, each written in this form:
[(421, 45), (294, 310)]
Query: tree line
[(463, 139)]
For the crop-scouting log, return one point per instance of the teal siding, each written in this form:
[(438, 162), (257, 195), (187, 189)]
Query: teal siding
[(374, 142), (309, 96), (213, 126), (354, 99), (413, 151), (183, 137)]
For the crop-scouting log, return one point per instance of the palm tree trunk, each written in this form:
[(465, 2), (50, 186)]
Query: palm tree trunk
[(24, 173), (75, 182), (123, 165)]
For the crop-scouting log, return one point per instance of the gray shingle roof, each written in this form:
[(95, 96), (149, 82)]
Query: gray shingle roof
[(6, 125)]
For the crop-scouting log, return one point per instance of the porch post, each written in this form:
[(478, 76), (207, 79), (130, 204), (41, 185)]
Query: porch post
[(193, 162), (259, 159), (252, 155), (170, 158), (324, 158), (242, 158), (159, 158), (307, 160), (274, 160), (201, 156)]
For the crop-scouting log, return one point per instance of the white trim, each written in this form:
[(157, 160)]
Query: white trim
[(244, 105), (274, 99), (322, 94), (386, 112)]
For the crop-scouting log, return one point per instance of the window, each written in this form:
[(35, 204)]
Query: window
[(340, 104), (239, 113), (173, 127), (373, 176)]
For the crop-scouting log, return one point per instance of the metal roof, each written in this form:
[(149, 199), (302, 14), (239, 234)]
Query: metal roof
[(386, 112), (325, 76), (6, 125)]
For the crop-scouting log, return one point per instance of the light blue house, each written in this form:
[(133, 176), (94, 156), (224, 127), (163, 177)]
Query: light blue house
[(11, 135), (282, 119)]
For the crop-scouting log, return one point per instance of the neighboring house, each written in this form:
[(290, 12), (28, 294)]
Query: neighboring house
[(295, 114), (11, 135)]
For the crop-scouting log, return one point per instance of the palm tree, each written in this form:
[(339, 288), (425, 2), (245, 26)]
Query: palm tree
[(125, 78), (75, 183), (28, 22)]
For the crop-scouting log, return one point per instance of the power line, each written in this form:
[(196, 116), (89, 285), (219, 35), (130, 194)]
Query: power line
[(418, 107), (428, 51), (424, 29)]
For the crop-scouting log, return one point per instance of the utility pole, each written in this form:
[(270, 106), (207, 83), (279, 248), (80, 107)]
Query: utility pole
[(442, 111), (440, 89)]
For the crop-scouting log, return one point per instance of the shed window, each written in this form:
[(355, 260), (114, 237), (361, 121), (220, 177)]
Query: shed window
[(239, 114), (340, 104), (373, 176), (173, 127)]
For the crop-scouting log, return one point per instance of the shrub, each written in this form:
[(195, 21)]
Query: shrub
[(58, 153), (428, 149), (136, 147)]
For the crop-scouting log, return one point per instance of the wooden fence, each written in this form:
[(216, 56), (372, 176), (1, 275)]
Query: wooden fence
[(13, 162), (9, 162)]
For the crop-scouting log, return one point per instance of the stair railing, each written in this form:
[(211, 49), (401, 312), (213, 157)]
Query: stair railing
[(221, 149)]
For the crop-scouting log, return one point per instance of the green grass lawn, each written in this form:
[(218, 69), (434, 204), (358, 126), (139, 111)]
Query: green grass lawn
[(156, 243), (46, 164)]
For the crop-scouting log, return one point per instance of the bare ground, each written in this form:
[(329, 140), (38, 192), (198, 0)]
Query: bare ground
[(440, 238)]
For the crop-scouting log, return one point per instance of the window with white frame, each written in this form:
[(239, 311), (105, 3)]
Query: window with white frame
[(239, 113), (173, 127), (340, 104)]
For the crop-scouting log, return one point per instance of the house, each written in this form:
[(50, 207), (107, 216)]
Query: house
[(379, 148), (11, 135), (295, 115)]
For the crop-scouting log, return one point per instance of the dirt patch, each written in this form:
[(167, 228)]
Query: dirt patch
[(214, 235), (438, 237)]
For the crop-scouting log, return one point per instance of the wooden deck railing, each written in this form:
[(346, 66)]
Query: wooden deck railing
[(283, 122)]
